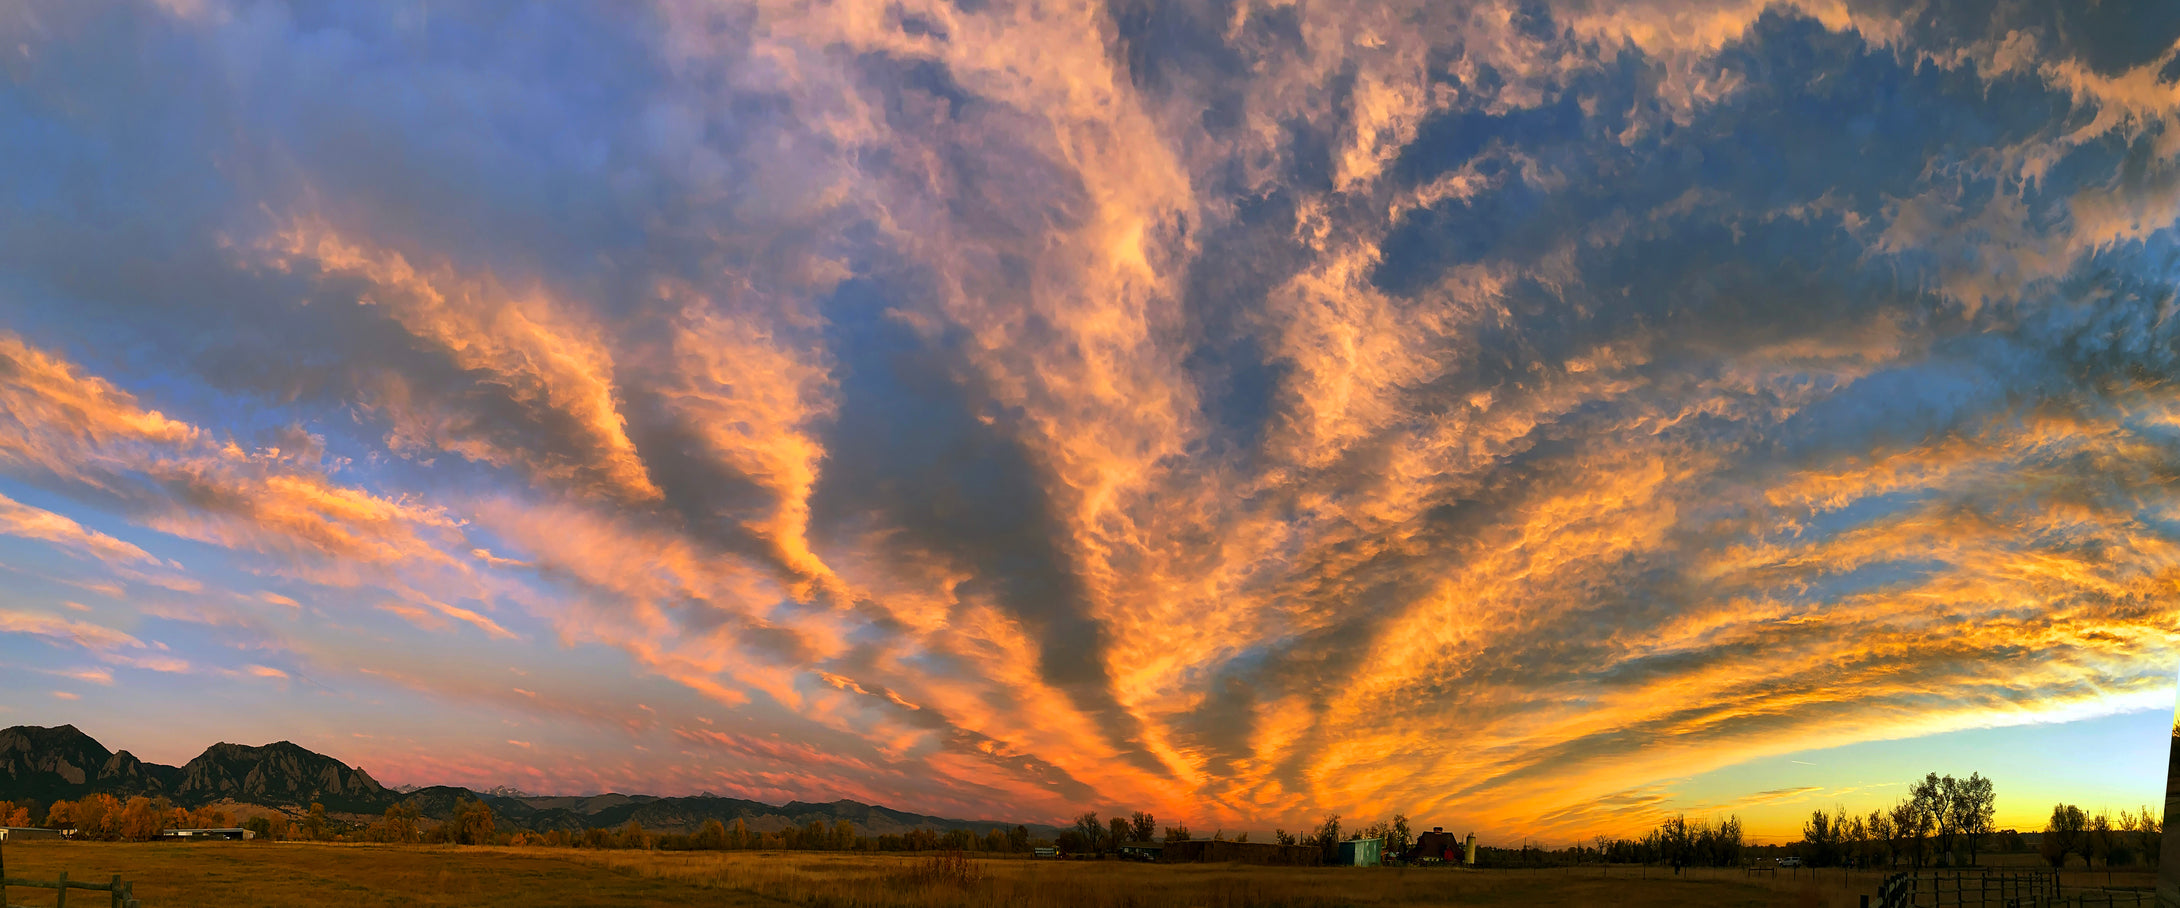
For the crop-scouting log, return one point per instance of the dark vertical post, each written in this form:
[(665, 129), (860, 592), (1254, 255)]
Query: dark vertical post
[(61, 899), (115, 891)]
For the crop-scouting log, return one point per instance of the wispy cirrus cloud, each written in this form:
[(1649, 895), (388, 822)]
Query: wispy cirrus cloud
[(1228, 411)]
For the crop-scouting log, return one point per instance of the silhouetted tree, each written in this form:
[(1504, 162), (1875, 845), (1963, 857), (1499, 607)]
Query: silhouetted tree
[(1143, 827), (1818, 835), (1975, 810), (1092, 831), (2147, 829), (2063, 834), (1328, 837), (1878, 825), (1177, 833), (2097, 838), (1912, 824)]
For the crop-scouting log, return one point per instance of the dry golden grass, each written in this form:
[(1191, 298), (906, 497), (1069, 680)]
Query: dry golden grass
[(237, 875)]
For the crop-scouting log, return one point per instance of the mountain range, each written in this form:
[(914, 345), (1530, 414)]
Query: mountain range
[(62, 763)]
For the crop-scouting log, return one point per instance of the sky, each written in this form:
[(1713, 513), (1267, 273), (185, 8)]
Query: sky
[(1532, 417)]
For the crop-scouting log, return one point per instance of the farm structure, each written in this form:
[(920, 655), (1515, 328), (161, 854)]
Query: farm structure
[(27, 832), (1361, 852), (226, 834), (1203, 851), (1440, 845)]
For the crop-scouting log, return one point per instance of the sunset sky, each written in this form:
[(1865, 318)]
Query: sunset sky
[(1530, 417)]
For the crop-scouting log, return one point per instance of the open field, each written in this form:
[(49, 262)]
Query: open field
[(236, 875)]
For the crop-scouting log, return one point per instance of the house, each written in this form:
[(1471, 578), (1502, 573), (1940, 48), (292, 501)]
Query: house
[(18, 833), (1440, 845), (1360, 852), (230, 834), (1047, 851)]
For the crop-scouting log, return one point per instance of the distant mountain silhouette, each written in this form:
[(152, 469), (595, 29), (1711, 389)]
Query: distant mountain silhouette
[(52, 763), (276, 775), (63, 763)]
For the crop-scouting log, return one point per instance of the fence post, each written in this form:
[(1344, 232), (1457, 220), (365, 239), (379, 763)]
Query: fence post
[(115, 891), (60, 899)]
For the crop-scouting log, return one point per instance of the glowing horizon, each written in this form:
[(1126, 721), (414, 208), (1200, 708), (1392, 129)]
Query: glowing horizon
[(1542, 416)]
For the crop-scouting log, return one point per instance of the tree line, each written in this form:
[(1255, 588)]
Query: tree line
[(473, 823), (2131, 837), (1939, 818), (1676, 841), (103, 817), (1943, 819)]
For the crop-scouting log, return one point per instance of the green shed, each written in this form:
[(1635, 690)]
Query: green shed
[(1361, 853)]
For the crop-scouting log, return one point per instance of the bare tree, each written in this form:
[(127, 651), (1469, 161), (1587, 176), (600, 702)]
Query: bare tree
[(1328, 836), (1092, 831)]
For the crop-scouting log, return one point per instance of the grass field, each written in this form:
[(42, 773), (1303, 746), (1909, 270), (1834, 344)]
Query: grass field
[(237, 875)]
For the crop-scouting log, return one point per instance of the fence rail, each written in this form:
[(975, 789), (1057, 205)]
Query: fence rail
[(120, 893), (1963, 888), (1999, 889)]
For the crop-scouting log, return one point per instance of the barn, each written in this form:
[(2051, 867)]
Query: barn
[(1440, 845), (27, 832)]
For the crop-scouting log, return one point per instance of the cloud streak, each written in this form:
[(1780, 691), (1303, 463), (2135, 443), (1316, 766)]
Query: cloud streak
[(1482, 410)]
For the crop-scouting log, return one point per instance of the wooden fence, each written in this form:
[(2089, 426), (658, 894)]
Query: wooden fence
[(119, 893), (1999, 889), (1969, 889), (2112, 898)]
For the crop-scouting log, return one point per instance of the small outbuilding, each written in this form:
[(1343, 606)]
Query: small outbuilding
[(1360, 852), (19, 833), (228, 834), (1047, 851)]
